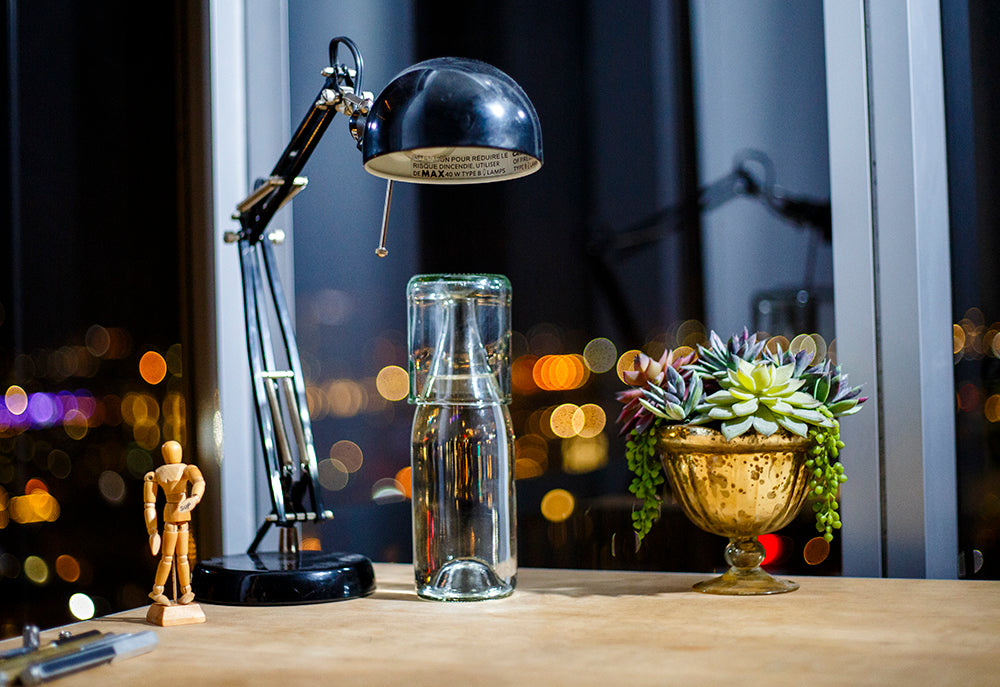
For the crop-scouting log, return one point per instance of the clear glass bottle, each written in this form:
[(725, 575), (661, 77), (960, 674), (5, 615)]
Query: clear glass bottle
[(464, 530)]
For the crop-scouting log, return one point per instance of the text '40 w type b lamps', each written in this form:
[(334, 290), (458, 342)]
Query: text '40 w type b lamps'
[(443, 121)]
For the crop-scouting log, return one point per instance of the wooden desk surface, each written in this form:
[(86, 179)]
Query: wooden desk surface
[(571, 627)]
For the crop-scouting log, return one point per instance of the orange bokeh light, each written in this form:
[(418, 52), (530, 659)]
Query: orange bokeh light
[(522, 374), (405, 479), (626, 361), (68, 568), (557, 505), (560, 372), (525, 468), (35, 485), (37, 506), (152, 367), (815, 551), (992, 408)]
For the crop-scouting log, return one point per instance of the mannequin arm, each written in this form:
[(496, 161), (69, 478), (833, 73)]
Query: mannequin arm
[(194, 476), (149, 511)]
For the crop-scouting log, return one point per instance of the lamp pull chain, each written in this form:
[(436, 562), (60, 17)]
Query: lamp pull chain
[(381, 250)]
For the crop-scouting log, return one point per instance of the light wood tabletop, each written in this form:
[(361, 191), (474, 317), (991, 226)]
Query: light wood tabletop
[(577, 627)]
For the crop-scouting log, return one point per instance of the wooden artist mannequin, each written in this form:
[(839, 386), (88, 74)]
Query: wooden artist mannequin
[(173, 478)]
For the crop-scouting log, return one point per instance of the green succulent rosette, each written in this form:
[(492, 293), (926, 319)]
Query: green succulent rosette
[(761, 396)]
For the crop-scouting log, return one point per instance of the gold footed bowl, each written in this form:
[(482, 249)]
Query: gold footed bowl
[(740, 489)]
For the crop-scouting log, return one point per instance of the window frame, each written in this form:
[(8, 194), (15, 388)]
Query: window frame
[(891, 272), (892, 284)]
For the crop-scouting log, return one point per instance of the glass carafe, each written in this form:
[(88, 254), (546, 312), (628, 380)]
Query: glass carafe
[(464, 532)]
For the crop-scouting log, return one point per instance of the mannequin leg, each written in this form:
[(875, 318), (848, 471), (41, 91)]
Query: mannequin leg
[(183, 567), (166, 562)]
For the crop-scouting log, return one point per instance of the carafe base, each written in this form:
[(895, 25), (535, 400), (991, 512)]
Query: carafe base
[(465, 579)]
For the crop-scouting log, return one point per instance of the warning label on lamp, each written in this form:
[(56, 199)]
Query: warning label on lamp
[(471, 166)]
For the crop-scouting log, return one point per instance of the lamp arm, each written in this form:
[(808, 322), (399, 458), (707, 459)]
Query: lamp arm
[(337, 95), (275, 369)]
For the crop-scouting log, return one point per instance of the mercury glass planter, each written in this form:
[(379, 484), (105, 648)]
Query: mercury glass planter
[(740, 489)]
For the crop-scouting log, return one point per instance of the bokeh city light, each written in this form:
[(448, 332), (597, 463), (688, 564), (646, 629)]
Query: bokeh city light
[(82, 606), (152, 367), (79, 425), (393, 383), (558, 505)]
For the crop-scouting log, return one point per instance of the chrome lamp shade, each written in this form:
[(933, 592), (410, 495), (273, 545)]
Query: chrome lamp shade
[(452, 121)]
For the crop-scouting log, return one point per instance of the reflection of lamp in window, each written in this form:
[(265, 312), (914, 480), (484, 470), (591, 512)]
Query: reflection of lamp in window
[(443, 121)]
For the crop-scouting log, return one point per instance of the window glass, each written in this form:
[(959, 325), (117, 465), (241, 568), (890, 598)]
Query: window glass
[(646, 110), (971, 100), (92, 376)]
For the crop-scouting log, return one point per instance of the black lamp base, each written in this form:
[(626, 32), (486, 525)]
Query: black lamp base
[(276, 579)]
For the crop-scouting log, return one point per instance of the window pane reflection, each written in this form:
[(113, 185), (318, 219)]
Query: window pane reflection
[(647, 226), (971, 100)]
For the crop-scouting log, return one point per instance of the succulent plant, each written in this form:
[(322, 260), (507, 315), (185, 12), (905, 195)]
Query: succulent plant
[(800, 360), (826, 382), (659, 391), (673, 399), (828, 385), (761, 396), (721, 357), (642, 409), (737, 386)]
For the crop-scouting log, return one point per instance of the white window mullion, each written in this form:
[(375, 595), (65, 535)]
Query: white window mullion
[(914, 289), (234, 426), (854, 279), (892, 284)]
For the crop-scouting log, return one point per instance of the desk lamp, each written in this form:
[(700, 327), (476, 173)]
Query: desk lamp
[(442, 121)]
